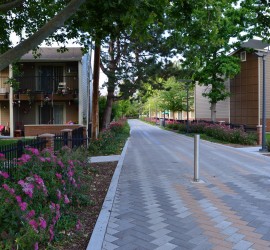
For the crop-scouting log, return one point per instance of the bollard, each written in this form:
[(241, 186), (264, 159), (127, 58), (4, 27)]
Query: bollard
[(196, 157)]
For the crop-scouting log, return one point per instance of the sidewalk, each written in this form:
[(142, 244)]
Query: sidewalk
[(154, 204)]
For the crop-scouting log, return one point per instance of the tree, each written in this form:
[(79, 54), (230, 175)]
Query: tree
[(254, 16), (126, 37), (36, 21), (206, 41), (174, 97)]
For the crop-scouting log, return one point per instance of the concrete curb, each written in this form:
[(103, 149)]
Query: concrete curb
[(97, 237)]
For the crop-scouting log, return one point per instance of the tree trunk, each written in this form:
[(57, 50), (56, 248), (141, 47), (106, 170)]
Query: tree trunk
[(95, 114), (108, 109), (213, 112)]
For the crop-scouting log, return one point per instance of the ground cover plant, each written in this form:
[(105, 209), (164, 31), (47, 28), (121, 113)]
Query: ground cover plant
[(110, 140)]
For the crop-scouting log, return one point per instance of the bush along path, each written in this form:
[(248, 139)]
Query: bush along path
[(217, 132), (112, 140), (52, 201)]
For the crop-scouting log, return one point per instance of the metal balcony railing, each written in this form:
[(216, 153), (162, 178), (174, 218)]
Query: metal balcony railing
[(47, 84)]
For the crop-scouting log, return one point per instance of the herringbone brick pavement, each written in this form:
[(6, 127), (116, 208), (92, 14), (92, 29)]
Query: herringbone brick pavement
[(158, 206)]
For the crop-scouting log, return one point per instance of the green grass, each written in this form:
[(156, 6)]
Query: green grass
[(4, 142)]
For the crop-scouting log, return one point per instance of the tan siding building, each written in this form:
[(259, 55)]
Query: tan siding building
[(53, 89), (202, 106)]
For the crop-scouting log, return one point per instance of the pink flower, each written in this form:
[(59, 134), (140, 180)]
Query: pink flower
[(23, 206), (4, 174), (31, 214), (36, 246), (21, 182), (25, 158), (52, 206), (66, 199), (70, 173), (2, 155), (42, 159), (59, 176), (42, 223), (6, 187), (58, 194), (51, 233), (33, 151), (33, 224), (48, 159), (19, 199), (40, 182), (61, 164), (79, 225), (28, 188)]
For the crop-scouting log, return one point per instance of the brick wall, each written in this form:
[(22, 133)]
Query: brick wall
[(34, 130)]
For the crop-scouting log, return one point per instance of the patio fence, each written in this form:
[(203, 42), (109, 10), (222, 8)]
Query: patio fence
[(13, 152), (73, 140)]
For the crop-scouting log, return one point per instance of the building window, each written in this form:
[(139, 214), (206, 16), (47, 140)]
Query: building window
[(49, 114), (49, 78), (243, 56)]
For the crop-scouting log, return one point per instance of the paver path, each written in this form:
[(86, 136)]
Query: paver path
[(157, 206)]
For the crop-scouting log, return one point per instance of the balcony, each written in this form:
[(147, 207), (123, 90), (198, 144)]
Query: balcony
[(4, 89), (47, 88)]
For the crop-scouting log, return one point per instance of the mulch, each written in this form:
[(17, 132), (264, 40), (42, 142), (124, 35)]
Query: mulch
[(101, 175)]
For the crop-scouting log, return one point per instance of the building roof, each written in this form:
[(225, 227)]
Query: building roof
[(51, 54), (255, 44)]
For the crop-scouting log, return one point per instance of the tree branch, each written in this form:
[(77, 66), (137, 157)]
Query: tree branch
[(11, 5), (37, 38), (104, 70)]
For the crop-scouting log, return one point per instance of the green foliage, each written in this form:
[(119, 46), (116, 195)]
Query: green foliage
[(38, 199), (206, 43), (111, 140)]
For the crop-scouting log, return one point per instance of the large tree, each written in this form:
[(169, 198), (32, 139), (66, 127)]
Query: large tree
[(126, 36)]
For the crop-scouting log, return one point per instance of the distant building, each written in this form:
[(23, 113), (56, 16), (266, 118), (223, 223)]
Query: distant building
[(202, 105)]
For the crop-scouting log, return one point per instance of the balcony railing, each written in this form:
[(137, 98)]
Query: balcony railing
[(47, 84), (4, 87)]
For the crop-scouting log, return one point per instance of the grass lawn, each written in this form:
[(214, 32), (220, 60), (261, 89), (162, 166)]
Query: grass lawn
[(4, 142)]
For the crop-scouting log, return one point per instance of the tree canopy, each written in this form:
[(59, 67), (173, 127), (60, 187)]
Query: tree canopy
[(139, 37)]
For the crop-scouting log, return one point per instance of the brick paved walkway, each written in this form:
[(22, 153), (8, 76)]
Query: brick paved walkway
[(157, 206)]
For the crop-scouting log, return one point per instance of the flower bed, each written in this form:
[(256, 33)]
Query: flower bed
[(219, 132), (111, 140), (38, 198)]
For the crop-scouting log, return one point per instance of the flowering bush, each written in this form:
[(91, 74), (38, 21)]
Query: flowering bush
[(38, 197), (220, 132), (111, 140), (149, 120)]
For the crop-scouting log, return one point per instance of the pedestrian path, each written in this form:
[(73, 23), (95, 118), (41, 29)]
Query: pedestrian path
[(157, 205), (107, 158)]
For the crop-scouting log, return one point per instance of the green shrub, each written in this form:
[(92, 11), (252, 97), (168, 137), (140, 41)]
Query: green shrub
[(111, 140)]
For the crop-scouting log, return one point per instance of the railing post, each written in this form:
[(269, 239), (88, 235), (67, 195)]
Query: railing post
[(196, 157), (19, 148), (67, 133), (49, 140)]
